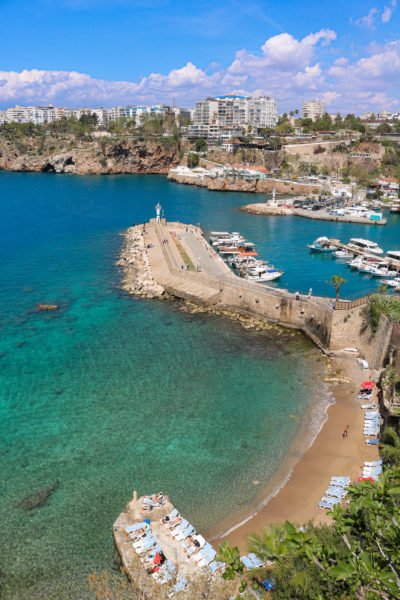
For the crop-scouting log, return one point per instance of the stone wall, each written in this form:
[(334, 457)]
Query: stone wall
[(350, 328)]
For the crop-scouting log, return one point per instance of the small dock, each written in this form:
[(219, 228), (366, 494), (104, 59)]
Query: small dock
[(359, 252), (324, 215)]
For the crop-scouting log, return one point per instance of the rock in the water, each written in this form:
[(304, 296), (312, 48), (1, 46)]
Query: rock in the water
[(38, 498)]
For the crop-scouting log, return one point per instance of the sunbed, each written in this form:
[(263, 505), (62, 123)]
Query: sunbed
[(337, 492), (165, 573), (257, 561), (323, 504), (180, 528), (134, 527), (207, 559), (192, 549), (214, 566), (178, 587), (204, 551), (172, 515), (369, 406), (373, 463), (373, 442), (330, 500), (141, 541), (184, 534), (373, 470), (370, 414), (151, 554), (340, 481), (247, 562), (171, 526), (149, 544)]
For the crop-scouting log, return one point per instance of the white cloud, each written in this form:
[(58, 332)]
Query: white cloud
[(287, 68), (388, 11), (369, 20)]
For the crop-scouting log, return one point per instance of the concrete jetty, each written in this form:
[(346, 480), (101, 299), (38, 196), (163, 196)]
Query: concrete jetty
[(265, 208), (182, 264), (174, 551)]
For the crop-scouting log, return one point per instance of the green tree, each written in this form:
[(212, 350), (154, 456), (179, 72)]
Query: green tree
[(192, 160), (358, 557), (336, 282), (201, 145), (231, 558), (390, 446)]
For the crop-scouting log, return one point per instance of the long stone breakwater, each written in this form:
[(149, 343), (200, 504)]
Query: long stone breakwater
[(134, 260), (174, 260)]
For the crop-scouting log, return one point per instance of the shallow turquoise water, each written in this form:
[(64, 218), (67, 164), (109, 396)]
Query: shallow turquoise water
[(111, 394)]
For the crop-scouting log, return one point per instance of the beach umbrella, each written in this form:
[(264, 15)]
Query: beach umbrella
[(365, 479), (367, 385)]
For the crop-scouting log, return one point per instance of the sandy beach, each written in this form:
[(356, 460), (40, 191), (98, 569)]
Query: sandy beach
[(330, 454)]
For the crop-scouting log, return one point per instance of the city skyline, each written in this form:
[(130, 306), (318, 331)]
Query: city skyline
[(91, 53)]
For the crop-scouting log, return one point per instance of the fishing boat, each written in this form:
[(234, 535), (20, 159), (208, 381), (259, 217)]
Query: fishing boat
[(322, 244), (392, 282), (366, 245)]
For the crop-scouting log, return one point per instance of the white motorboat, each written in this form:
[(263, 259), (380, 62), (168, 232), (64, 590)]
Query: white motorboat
[(262, 273), (393, 256), (392, 282), (377, 271), (343, 254), (366, 245), (322, 244)]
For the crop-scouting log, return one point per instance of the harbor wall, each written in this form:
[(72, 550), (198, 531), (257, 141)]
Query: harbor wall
[(351, 328)]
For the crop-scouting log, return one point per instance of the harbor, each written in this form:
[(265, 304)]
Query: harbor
[(185, 266)]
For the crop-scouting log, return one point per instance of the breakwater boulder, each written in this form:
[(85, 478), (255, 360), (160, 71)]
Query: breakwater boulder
[(139, 279)]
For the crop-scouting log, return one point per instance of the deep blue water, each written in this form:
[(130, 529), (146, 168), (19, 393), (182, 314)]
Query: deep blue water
[(111, 394)]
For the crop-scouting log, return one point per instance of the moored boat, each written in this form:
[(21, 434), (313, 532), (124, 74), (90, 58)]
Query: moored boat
[(322, 244), (365, 245), (392, 282)]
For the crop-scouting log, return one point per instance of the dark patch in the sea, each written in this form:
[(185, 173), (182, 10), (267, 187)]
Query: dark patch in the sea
[(244, 445), (58, 392), (38, 498), (20, 344), (168, 323)]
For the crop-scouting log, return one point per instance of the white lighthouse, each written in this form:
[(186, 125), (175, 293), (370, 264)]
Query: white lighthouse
[(158, 211)]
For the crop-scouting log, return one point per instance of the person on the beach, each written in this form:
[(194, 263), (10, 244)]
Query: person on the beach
[(193, 543), (347, 428), (297, 296), (344, 434), (310, 292), (174, 522)]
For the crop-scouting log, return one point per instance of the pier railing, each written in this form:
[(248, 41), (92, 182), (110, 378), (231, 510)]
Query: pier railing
[(346, 304)]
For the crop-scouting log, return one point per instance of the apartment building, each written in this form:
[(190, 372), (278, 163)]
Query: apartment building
[(313, 109), (232, 110)]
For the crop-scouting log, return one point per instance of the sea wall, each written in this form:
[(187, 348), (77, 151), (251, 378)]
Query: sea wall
[(351, 328)]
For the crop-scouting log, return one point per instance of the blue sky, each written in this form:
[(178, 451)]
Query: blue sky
[(87, 52)]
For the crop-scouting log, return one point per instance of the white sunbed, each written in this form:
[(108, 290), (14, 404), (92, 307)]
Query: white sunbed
[(207, 559), (257, 561), (336, 492), (214, 566), (172, 515), (134, 527), (184, 534), (247, 562), (192, 549), (372, 463), (180, 528)]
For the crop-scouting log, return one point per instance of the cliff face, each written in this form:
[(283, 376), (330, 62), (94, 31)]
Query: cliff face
[(125, 155), (258, 186)]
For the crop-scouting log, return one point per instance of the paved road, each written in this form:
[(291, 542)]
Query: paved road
[(210, 265)]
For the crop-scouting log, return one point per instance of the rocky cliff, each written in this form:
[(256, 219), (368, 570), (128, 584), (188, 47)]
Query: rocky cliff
[(66, 155)]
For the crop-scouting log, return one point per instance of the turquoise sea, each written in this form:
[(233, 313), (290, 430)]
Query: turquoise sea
[(111, 394)]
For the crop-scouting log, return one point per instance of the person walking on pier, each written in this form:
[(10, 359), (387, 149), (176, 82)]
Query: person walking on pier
[(309, 293), (297, 295)]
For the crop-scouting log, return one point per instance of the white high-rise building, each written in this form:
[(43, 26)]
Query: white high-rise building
[(313, 109), (205, 112), (236, 110)]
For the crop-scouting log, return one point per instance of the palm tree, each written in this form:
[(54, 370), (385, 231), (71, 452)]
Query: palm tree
[(336, 282), (390, 447)]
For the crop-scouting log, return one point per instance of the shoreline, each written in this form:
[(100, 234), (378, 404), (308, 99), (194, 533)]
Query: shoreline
[(295, 495)]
